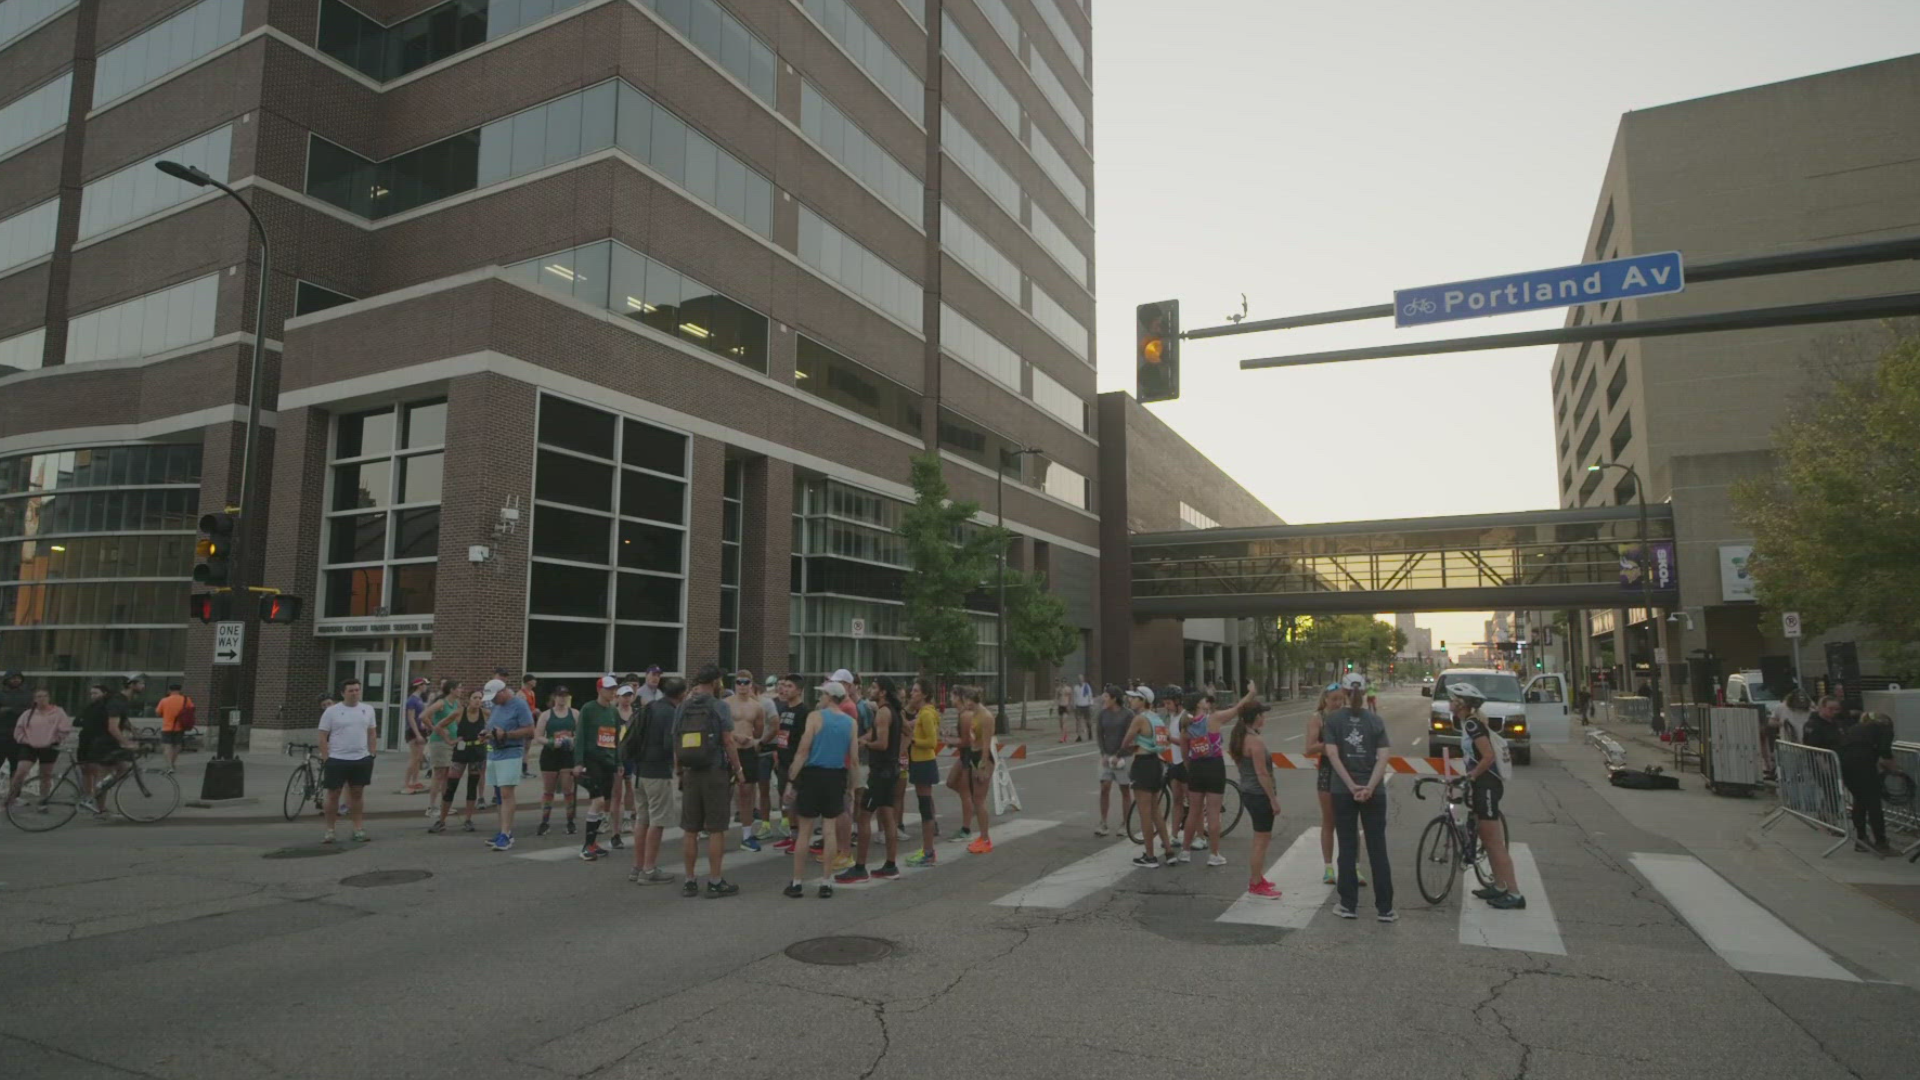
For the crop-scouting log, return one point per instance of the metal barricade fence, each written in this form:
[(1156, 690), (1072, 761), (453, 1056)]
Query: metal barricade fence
[(1630, 709), (1810, 789), (1906, 817)]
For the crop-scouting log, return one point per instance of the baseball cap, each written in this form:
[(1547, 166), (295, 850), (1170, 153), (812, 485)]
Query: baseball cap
[(1140, 692), (654, 670), (833, 688), (609, 682), (493, 687), (842, 676), (1354, 681), (625, 691), (1171, 693), (773, 680), (418, 680)]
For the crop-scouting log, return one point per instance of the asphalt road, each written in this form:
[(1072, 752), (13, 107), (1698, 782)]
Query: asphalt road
[(191, 950)]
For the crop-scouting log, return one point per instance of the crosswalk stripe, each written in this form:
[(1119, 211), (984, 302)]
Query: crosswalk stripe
[(1530, 929), (1069, 885), (1746, 935), (1302, 894), (950, 851)]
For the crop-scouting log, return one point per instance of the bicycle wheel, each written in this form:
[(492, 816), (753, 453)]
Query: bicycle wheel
[(146, 797), (1482, 865), (1437, 861), (43, 807), (1230, 808), (299, 787)]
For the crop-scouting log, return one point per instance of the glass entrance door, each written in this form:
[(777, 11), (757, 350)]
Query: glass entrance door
[(376, 689)]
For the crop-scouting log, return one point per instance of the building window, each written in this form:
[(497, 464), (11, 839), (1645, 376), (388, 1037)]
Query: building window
[(1057, 96), (1617, 385), (1566, 441), (977, 253), (853, 386), (35, 113), (1054, 397), (1063, 249), (1622, 435), (1063, 33), (1003, 22), (1580, 364), (843, 260), (309, 298), (730, 525), (19, 16), (1066, 485), (1586, 392), (388, 52), (1606, 232), (979, 163), (979, 74), (28, 234), (140, 189), (170, 318), (1623, 492), (724, 39), (981, 444), (1056, 321), (1194, 519), (609, 543), (843, 24), (962, 337), (1057, 170), (170, 45), (1588, 486), (96, 560), (846, 143), (611, 275), (1587, 440), (1566, 478), (381, 551), (24, 352)]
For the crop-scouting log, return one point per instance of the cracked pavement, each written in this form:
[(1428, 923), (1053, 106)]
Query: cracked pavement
[(177, 951)]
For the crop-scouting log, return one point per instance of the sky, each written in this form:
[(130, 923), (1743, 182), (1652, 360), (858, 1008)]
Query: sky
[(1317, 156)]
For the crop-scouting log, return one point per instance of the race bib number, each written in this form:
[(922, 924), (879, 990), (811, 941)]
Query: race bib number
[(605, 738)]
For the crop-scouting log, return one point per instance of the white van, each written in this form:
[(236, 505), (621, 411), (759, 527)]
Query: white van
[(1539, 710), (1750, 688)]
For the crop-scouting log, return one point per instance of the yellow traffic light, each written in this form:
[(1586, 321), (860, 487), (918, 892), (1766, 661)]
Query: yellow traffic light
[(1157, 358)]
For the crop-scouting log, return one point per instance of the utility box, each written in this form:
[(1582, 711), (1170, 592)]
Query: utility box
[(1901, 706)]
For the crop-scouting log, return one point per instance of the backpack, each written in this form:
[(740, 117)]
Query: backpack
[(692, 739), (1502, 756), (187, 718)]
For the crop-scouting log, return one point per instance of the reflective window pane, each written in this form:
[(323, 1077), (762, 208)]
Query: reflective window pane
[(654, 448), (563, 479), (368, 484), (426, 424), (356, 592), (646, 496), (635, 647), (648, 598), (420, 477), (576, 427), (567, 590), (413, 587), (417, 533), (365, 433), (650, 547), (565, 534), (360, 538), (566, 648)]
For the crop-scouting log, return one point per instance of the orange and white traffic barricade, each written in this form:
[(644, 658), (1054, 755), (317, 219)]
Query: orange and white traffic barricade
[(1410, 766)]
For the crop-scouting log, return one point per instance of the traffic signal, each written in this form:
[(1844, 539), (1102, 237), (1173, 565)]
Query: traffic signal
[(1443, 644), (1157, 356), (209, 607), (280, 608), (1539, 665), (213, 548)]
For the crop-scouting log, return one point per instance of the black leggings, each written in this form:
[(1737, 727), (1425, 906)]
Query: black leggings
[(473, 788), (1868, 814)]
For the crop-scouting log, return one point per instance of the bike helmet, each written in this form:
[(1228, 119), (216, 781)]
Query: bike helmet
[(1466, 691)]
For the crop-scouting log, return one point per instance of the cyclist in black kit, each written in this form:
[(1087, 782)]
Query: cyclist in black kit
[(1484, 788)]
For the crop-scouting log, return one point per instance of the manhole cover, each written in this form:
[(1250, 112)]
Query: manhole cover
[(301, 852), (385, 877), (840, 951)]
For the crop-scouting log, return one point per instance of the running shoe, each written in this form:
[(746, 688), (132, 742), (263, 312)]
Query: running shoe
[(1388, 916), (817, 846), (1488, 892), (852, 875), (545, 828), (633, 876), (1103, 830), (87, 805), (1180, 856), (981, 846), (723, 887), (571, 827), (961, 837), (785, 845), (887, 871), (615, 841), (842, 861), (593, 852), (1216, 859), (502, 842), (437, 827), (327, 838), (923, 858), (1199, 844), (1264, 889), (794, 890), (360, 836), (467, 826), (656, 876), (1508, 902), (433, 808), (1148, 861), (826, 891), (762, 830), (690, 888), (748, 843), (1327, 878), (1346, 913)]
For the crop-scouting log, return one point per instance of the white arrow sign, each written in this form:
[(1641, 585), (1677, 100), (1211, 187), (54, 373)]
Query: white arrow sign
[(229, 642)]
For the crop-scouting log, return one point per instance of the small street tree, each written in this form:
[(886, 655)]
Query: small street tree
[(1038, 633), (1834, 522), (946, 560)]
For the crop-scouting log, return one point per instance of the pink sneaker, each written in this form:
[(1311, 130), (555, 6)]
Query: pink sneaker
[(1264, 889)]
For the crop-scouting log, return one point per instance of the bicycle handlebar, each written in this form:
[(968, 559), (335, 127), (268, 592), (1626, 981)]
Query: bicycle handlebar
[(295, 749), (1420, 784)]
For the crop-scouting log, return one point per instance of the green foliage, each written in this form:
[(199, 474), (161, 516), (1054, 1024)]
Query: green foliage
[(948, 560), (1836, 522), (1038, 633)]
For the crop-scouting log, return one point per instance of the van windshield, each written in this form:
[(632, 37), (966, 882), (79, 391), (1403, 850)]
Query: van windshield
[(1496, 687)]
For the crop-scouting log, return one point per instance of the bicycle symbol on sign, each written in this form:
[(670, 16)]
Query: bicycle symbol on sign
[(1421, 306)]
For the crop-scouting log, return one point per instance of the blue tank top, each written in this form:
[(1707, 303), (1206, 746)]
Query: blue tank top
[(830, 743)]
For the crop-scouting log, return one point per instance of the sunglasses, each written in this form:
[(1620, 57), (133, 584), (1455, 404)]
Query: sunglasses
[(743, 682)]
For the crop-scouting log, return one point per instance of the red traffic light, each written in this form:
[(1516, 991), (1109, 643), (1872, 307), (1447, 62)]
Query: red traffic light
[(209, 607), (280, 608)]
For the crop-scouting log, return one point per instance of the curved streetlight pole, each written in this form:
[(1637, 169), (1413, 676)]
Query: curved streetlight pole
[(1646, 567), (1000, 572), (243, 529)]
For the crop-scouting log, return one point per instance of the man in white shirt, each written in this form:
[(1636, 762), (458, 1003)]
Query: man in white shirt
[(347, 743), (1083, 709)]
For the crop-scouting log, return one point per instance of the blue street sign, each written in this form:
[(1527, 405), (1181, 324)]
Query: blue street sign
[(1565, 286)]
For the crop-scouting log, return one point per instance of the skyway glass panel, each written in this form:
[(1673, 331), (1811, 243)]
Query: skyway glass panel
[(171, 44)]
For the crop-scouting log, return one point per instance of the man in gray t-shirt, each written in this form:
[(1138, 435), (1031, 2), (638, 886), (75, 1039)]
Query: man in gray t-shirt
[(1358, 745), (1110, 730)]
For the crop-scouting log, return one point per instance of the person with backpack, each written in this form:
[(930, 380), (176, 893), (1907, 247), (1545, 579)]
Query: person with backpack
[(708, 765), (1488, 767), (176, 719), (649, 749)]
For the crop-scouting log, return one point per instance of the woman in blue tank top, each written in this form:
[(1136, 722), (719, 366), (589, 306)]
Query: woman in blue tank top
[(822, 767)]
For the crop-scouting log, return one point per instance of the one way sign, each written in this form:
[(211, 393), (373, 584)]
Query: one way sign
[(229, 642)]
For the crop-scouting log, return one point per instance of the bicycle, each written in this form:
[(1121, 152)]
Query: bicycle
[(304, 785), (139, 796), (1451, 838), (1231, 808)]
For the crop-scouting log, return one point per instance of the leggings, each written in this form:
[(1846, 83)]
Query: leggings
[(473, 788), (1869, 816)]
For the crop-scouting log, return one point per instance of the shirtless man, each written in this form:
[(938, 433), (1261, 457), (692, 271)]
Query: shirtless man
[(749, 728)]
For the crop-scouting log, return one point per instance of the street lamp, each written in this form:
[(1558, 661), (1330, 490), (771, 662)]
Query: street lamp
[(225, 777), (1646, 564), (1000, 575)]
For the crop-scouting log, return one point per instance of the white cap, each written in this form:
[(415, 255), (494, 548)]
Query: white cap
[(1140, 692), (609, 682), (1354, 680), (625, 691), (843, 677), (493, 687), (833, 688), (773, 680)]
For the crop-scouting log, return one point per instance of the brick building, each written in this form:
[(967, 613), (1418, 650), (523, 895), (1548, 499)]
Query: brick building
[(600, 332)]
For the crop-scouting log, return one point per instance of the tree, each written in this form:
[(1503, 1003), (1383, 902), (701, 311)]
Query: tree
[(1834, 520), (1038, 633), (946, 559)]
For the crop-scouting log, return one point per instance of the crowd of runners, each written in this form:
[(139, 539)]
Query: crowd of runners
[(823, 771)]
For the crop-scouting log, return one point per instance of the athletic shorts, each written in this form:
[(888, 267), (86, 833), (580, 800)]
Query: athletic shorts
[(764, 772), (350, 773), (1177, 773), (1147, 772), (504, 772), (597, 778), (1113, 774), (1259, 810), (925, 773), (880, 789), (706, 800), (173, 738), (655, 805), (22, 754), (1207, 776), (439, 753), (556, 758), (1483, 795), (822, 793), (471, 754), (104, 752), (1323, 776)]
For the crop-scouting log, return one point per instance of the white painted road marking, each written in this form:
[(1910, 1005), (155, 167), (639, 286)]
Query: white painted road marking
[(1069, 885), (1531, 929), (1746, 935), (1302, 894)]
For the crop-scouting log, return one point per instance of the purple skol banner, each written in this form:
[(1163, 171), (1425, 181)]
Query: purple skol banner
[(1661, 567)]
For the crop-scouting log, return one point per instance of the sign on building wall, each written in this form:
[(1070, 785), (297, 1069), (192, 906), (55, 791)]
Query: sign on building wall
[(1735, 583), (1660, 566)]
